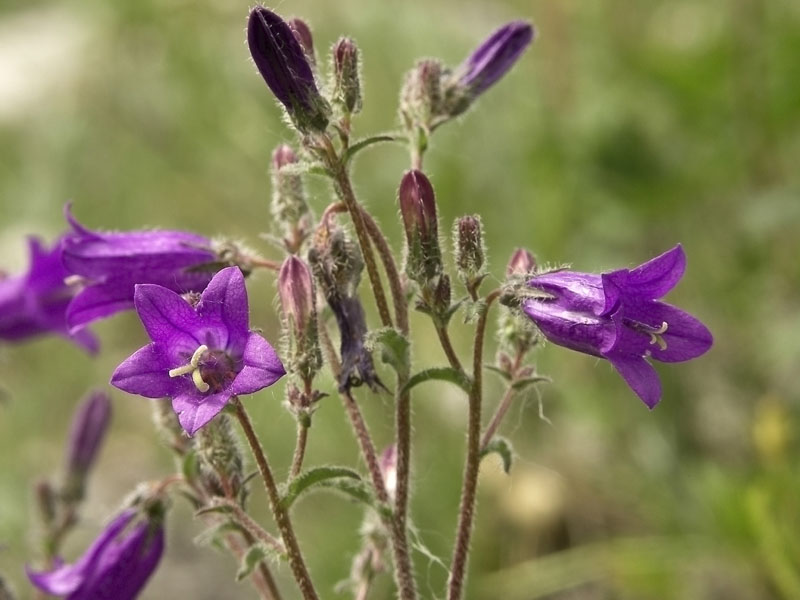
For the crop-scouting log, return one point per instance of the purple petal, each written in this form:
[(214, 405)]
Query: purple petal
[(146, 373), (579, 331), (145, 566), (685, 338), (656, 277), (640, 376), (98, 302), (195, 409), (169, 320), (86, 340), (496, 55), (262, 367), (224, 301), (62, 580), (579, 292)]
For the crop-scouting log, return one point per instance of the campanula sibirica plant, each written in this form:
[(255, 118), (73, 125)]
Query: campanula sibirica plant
[(344, 300)]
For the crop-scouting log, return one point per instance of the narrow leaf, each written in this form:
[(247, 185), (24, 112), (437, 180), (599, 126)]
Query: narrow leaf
[(502, 372), (449, 374), (254, 555), (367, 142), (312, 477), (502, 447), (526, 382), (394, 348)]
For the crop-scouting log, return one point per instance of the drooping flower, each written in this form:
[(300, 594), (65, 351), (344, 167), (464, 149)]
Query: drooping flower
[(89, 426), (618, 316), (35, 303), (284, 66), (117, 564), (199, 356), (109, 265)]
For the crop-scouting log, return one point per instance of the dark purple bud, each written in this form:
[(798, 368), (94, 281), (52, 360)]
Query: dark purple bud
[(302, 33), (418, 209), (296, 291), (119, 562), (291, 214), (522, 262), (89, 426), (282, 63), (346, 83), (469, 251)]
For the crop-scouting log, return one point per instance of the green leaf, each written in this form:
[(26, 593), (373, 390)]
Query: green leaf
[(213, 536), (366, 142), (190, 468), (254, 555), (312, 477), (214, 508), (502, 372), (394, 348), (450, 374), (502, 447), (356, 489), (526, 382)]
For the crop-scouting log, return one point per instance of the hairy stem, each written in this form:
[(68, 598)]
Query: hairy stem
[(281, 515), (402, 556), (497, 418), (447, 346), (299, 449), (466, 511), (366, 444)]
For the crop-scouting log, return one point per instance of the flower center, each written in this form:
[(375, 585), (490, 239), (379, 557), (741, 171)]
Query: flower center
[(193, 368), (656, 333)]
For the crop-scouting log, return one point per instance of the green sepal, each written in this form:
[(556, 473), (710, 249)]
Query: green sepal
[(254, 555), (526, 382), (502, 447)]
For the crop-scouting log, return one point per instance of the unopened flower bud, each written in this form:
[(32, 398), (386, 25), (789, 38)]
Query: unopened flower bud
[(418, 209), (220, 457), (282, 63), (290, 212), (89, 426), (522, 262), (302, 33), (346, 83), (296, 291), (470, 253), (421, 96)]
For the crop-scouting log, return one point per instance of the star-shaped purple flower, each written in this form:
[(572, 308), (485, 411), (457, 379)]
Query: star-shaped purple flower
[(35, 302), (117, 564), (200, 356), (618, 316)]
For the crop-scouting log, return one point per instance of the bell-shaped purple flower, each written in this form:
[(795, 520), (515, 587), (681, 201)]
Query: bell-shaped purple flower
[(495, 56), (199, 356), (117, 564), (618, 316), (283, 64), (35, 302), (111, 264)]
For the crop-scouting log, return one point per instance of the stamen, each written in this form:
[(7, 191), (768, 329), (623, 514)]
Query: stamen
[(194, 368), (655, 336)]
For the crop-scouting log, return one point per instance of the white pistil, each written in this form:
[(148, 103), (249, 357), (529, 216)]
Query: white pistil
[(194, 368), (655, 336)]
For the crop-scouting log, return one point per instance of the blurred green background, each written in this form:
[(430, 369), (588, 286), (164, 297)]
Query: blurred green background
[(627, 127)]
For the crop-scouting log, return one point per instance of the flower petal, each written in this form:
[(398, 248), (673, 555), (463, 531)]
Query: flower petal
[(98, 302), (145, 372), (168, 318), (685, 337), (262, 367), (195, 409), (224, 302), (640, 376), (656, 277)]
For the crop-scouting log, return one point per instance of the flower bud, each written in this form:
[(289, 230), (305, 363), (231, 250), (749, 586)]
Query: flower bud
[(522, 262), (291, 214), (282, 63), (220, 457), (296, 291), (469, 251), (346, 84), (421, 96), (89, 426), (302, 33), (418, 209)]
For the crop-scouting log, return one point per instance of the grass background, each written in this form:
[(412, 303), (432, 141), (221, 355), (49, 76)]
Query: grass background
[(626, 128)]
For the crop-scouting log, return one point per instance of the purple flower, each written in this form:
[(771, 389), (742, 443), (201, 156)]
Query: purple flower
[(89, 426), (618, 316), (284, 66), (111, 264), (117, 564), (36, 302), (200, 356), (495, 56)]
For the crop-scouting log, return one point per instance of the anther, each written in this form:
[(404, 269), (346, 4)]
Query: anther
[(655, 336), (194, 368)]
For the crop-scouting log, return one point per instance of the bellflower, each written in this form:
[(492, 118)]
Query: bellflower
[(117, 564), (36, 302), (199, 356), (618, 316), (495, 56), (111, 264)]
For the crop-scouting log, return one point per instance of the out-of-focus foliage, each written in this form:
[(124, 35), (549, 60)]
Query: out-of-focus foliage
[(626, 128)]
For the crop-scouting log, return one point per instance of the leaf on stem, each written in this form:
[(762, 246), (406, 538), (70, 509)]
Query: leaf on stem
[(314, 477), (367, 142), (449, 374), (502, 447), (394, 348)]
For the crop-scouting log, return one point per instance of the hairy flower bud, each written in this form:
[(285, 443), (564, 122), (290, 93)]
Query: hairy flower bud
[(220, 457), (302, 33), (470, 253), (522, 262), (418, 209), (296, 292), (290, 212), (89, 426), (282, 63), (421, 95), (346, 84)]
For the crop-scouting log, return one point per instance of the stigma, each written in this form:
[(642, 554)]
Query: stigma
[(194, 368)]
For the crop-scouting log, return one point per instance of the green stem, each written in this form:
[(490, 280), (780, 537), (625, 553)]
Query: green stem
[(468, 490), (281, 515), (299, 449)]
